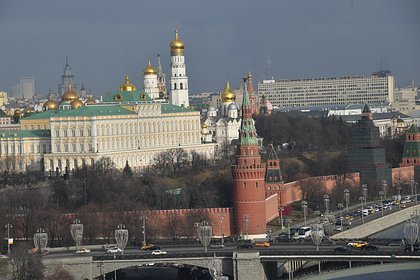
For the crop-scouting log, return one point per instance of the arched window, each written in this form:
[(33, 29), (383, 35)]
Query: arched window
[(51, 164), (181, 86), (174, 85), (75, 163)]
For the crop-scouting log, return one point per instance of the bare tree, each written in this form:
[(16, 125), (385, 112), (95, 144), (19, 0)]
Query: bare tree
[(26, 266), (171, 161), (60, 274)]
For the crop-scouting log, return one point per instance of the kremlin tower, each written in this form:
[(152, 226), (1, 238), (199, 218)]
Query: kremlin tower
[(411, 155), (179, 79), (248, 174), (161, 80)]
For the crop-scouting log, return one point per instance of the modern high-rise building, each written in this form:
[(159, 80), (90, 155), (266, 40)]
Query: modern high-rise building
[(66, 78), (26, 88), (179, 79), (376, 88)]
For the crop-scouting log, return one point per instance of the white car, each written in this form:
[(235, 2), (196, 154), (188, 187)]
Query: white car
[(83, 251), (114, 251), (158, 252)]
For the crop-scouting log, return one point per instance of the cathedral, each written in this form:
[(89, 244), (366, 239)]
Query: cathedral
[(129, 125)]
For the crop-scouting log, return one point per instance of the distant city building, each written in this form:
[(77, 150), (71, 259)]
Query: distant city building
[(366, 154), (405, 100), (25, 89), (66, 78), (377, 88)]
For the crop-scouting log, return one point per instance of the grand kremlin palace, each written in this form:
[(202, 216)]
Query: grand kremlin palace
[(128, 126), (132, 130)]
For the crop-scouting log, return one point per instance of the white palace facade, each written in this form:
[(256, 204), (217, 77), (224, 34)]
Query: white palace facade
[(129, 126)]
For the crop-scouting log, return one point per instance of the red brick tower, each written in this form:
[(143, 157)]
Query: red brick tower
[(248, 175), (411, 155), (252, 96)]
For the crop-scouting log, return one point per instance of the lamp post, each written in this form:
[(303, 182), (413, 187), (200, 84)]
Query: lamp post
[(76, 230), (399, 196), (246, 224), (413, 185), (362, 199), (40, 239), (121, 236), (222, 217), (384, 187), (143, 229), (347, 198), (365, 192), (281, 218), (304, 204), (326, 200), (205, 233), (381, 194), (8, 226), (340, 207), (289, 222)]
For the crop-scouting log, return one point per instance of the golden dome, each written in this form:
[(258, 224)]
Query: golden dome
[(149, 70), (127, 86), (50, 105), (27, 111), (17, 112), (90, 101), (177, 46), (76, 104), (228, 95), (69, 95), (204, 125)]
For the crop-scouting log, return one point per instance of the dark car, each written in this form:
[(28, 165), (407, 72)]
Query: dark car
[(283, 237), (244, 246), (370, 247), (342, 250)]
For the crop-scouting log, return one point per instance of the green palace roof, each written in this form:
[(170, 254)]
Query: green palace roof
[(24, 133), (88, 111), (167, 108)]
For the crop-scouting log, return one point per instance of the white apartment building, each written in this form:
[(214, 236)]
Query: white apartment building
[(377, 88)]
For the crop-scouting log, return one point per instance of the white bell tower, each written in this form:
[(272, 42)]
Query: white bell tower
[(179, 79)]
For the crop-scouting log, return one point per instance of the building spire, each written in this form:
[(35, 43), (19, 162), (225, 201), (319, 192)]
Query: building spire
[(67, 61), (247, 132)]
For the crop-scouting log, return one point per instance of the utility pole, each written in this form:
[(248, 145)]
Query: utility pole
[(381, 194), (347, 198), (362, 199), (8, 226), (143, 230)]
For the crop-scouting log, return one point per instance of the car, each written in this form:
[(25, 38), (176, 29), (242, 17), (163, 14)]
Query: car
[(217, 245), (244, 246), (262, 244), (357, 244), (338, 228), (83, 251), (114, 251), (282, 237), (150, 247), (158, 252), (342, 249), (416, 248), (110, 246), (369, 247)]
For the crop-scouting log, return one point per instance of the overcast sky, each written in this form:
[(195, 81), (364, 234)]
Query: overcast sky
[(223, 39)]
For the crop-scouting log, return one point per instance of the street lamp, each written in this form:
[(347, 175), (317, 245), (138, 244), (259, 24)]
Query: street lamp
[(246, 223), (365, 192), (121, 236), (281, 217), (362, 199), (143, 229), (413, 185), (76, 230), (222, 217), (304, 204), (40, 240), (399, 196), (411, 231), (205, 233), (381, 194), (340, 207), (384, 187), (347, 198), (326, 200), (289, 222), (9, 242)]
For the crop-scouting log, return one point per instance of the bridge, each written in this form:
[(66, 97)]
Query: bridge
[(239, 264)]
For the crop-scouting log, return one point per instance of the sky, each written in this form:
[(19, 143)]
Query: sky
[(280, 39)]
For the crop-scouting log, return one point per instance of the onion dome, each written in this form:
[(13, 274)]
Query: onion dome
[(27, 111), (211, 108), (127, 86), (228, 95), (50, 105), (177, 46), (76, 104), (149, 70), (16, 113), (69, 95), (204, 125), (90, 101)]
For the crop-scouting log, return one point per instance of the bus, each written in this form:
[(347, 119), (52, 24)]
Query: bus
[(303, 232)]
